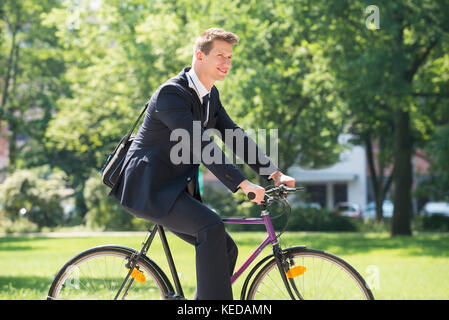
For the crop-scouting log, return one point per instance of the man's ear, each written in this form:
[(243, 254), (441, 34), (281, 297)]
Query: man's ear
[(199, 55)]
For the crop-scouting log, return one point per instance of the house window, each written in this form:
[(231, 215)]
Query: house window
[(317, 194), (340, 193)]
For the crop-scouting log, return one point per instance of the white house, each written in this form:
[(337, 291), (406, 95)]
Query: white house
[(341, 182)]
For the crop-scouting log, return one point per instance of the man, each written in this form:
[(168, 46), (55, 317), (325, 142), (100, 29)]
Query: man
[(152, 187)]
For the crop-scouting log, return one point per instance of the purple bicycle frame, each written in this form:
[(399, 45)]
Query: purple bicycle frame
[(270, 238)]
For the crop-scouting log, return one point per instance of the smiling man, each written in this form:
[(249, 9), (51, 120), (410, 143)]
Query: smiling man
[(212, 60), (154, 187)]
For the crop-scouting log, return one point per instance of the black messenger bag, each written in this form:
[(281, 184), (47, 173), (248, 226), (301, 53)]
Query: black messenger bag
[(113, 165)]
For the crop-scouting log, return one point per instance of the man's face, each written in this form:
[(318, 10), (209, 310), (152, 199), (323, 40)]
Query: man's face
[(217, 63)]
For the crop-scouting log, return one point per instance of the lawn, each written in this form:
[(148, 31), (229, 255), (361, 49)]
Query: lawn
[(397, 268)]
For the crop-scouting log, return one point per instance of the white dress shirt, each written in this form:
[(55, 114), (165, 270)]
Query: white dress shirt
[(200, 89), (197, 85)]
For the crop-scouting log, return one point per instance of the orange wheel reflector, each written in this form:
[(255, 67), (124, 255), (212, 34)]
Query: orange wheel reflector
[(138, 275), (295, 271)]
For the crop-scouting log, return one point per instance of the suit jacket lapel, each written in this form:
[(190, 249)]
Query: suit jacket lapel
[(182, 80), (197, 112)]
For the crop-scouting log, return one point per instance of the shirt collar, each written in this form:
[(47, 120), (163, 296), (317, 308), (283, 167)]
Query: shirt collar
[(195, 84)]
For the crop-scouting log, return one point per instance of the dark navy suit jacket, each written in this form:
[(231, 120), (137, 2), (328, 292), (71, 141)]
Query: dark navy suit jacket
[(149, 182)]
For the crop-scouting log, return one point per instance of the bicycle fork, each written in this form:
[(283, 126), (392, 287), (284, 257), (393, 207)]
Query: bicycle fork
[(283, 266), (281, 259)]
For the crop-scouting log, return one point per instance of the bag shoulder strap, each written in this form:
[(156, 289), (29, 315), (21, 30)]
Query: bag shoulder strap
[(138, 119)]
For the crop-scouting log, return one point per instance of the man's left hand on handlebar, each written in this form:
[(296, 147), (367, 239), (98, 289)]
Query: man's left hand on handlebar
[(258, 191)]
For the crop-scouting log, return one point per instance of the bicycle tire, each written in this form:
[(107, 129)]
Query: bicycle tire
[(348, 284), (97, 273)]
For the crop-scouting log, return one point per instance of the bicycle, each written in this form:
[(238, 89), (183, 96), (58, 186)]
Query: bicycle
[(297, 273)]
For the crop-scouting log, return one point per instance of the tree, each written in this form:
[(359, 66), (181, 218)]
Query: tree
[(30, 78), (384, 70)]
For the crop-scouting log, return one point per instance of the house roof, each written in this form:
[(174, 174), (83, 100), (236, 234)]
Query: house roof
[(321, 175)]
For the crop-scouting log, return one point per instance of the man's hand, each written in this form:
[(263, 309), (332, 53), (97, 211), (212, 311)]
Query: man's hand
[(248, 187), (280, 178)]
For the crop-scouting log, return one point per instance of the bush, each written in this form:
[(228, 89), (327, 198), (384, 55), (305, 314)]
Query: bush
[(432, 223), (21, 225), (311, 219), (105, 212), (35, 194)]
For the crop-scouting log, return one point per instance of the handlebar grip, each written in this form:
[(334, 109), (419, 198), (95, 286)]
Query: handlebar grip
[(251, 195)]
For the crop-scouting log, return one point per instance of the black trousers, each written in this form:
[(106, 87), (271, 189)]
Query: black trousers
[(216, 252)]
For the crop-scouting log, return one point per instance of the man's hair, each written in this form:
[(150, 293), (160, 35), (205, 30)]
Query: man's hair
[(205, 41)]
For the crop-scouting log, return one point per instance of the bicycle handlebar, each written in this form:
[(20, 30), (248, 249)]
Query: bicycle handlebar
[(275, 192)]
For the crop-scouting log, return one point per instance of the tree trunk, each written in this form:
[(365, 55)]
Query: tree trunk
[(402, 176), (380, 189), (379, 207)]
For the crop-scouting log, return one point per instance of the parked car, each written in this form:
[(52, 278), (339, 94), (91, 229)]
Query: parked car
[(348, 209), (370, 210), (431, 208)]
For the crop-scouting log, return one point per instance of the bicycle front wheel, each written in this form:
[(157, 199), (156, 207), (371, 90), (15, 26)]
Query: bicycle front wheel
[(314, 275), (98, 273)]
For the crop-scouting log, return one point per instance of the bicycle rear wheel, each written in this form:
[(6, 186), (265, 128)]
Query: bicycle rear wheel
[(98, 273), (314, 275)]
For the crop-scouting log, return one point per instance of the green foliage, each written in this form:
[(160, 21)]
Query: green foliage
[(115, 58), (36, 193), (30, 78), (431, 223), (311, 219), (436, 186), (21, 225)]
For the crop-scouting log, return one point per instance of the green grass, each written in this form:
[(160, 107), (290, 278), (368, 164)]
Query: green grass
[(398, 268)]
